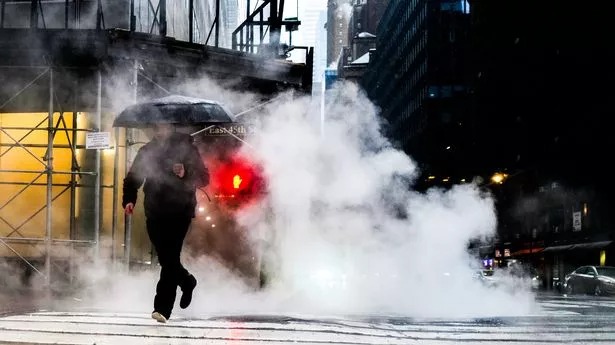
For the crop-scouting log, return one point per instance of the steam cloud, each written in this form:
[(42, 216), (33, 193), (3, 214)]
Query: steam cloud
[(351, 236), (341, 230)]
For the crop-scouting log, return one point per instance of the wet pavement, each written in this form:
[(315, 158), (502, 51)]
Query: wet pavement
[(579, 319)]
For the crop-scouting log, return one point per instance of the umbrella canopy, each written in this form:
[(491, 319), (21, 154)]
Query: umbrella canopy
[(174, 109)]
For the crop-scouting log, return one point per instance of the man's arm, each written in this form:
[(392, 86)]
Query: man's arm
[(197, 172), (134, 179)]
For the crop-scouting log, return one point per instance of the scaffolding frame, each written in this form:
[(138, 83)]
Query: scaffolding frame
[(43, 68), (49, 171), (158, 17), (129, 145), (271, 22)]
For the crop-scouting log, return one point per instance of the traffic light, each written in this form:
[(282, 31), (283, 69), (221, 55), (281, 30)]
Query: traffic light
[(236, 181)]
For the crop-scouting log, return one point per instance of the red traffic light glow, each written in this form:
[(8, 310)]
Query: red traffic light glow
[(236, 180)]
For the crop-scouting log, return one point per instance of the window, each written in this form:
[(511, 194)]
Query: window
[(582, 270), (462, 6)]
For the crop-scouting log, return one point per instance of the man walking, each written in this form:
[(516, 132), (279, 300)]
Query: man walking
[(171, 170)]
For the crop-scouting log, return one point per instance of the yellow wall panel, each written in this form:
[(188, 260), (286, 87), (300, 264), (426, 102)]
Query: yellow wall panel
[(19, 203)]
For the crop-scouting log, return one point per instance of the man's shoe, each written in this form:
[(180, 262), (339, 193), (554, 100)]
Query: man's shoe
[(159, 317), (184, 302)]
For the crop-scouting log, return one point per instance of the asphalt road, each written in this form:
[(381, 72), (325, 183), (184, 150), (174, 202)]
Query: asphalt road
[(578, 319)]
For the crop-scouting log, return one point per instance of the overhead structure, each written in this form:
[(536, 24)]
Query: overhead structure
[(67, 68)]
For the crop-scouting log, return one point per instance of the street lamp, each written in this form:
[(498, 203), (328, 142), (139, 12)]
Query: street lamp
[(499, 177)]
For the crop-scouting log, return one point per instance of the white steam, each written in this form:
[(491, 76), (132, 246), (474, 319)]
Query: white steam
[(350, 236), (341, 231)]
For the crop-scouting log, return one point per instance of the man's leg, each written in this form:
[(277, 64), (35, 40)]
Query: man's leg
[(168, 257), (186, 282)]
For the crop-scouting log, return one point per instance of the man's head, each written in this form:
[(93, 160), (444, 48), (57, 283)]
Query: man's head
[(163, 131)]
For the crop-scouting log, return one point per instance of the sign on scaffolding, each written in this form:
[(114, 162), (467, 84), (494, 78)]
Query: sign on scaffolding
[(97, 140), (576, 221)]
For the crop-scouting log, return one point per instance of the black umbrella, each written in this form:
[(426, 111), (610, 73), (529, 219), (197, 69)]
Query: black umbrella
[(175, 109)]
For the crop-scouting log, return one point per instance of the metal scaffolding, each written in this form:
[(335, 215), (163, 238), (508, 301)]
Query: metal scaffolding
[(148, 16), (47, 169), (37, 68), (49, 237)]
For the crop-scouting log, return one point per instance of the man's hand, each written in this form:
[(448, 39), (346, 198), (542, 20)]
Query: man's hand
[(129, 208), (178, 169)]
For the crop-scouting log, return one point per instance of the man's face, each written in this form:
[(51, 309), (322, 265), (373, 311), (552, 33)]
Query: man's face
[(163, 130)]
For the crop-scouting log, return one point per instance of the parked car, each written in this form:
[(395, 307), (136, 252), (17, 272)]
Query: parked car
[(596, 280), (486, 277), (513, 278)]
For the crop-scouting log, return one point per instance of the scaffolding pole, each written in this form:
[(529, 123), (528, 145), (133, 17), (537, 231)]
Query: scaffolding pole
[(37, 240), (217, 20), (2, 8), (116, 161), (162, 4), (128, 218), (74, 166), (191, 21), (97, 195), (49, 158)]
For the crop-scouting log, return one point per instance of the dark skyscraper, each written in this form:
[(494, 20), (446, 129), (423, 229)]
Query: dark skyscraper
[(418, 77), (540, 107), (366, 15)]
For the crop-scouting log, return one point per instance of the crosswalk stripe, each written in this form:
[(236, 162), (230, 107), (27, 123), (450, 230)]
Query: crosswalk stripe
[(561, 319)]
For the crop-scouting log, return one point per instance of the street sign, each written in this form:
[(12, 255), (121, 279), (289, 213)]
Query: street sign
[(576, 221), (97, 140), (230, 129)]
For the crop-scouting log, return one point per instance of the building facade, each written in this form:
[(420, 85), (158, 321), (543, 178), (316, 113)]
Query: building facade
[(365, 16), (230, 18), (338, 18), (471, 88), (354, 57), (541, 117), (418, 77), (320, 54)]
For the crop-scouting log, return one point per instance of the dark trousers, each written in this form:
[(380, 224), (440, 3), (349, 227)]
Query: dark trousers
[(167, 234)]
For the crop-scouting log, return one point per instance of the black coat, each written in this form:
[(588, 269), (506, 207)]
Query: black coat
[(165, 192)]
